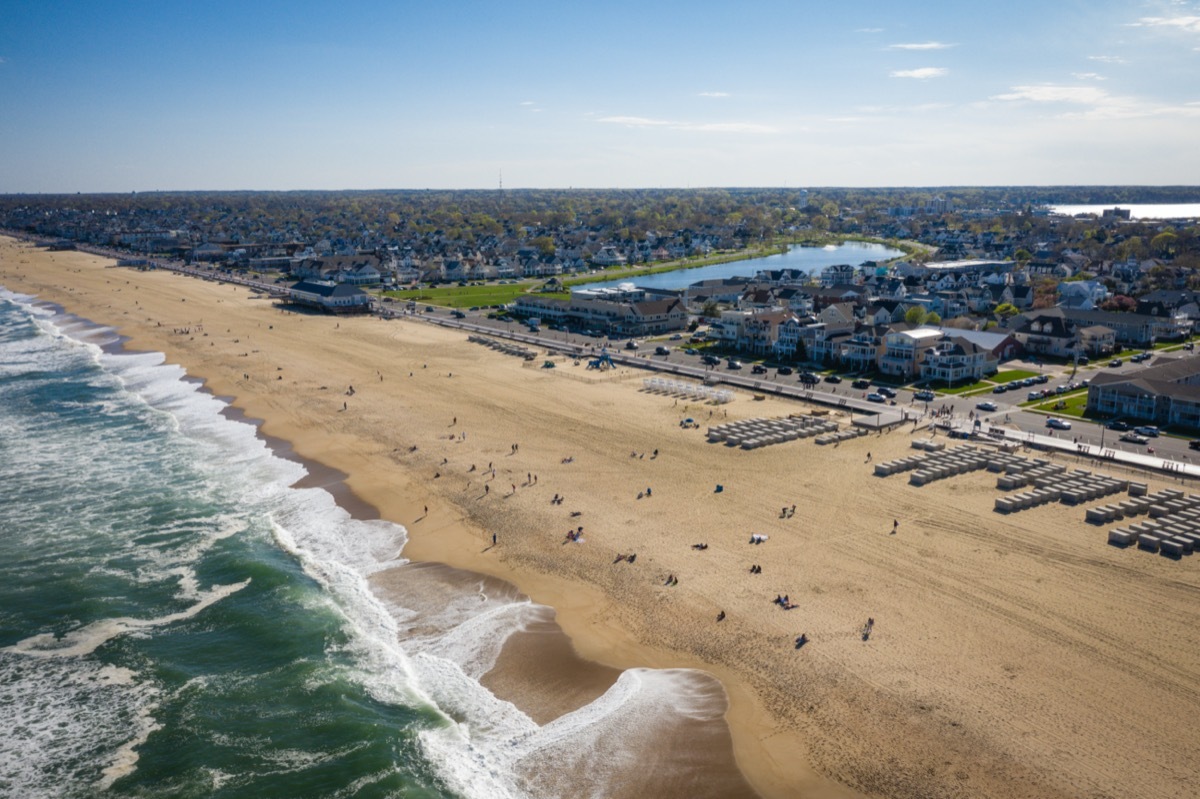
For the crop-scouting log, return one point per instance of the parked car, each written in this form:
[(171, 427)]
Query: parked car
[(808, 378), (458, 314), (832, 379), (1058, 424), (1036, 395), (1147, 430), (885, 391), (876, 397), (662, 351), (1040, 379), (734, 364), (1194, 444), (676, 337), (1141, 356), (925, 396), (987, 405), (1134, 438), (784, 370), (758, 369), (1115, 362), (1117, 424), (999, 389), (711, 360), (631, 345), (861, 384)]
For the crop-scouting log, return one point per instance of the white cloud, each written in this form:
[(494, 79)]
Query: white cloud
[(1096, 103), (1088, 76), (527, 102), (1108, 59), (703, 127), (1189, 24), (921, 46), (1055, 94), (714, 94), (635, 122), (868, 30), (923, 73)]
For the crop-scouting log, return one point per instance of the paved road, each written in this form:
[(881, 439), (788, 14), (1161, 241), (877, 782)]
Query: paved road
[(1171, 453)]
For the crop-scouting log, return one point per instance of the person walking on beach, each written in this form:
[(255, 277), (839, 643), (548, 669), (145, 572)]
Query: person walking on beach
[(895, 525)]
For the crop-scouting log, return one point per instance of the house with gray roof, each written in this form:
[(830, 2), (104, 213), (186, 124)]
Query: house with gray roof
[(1165, 393)]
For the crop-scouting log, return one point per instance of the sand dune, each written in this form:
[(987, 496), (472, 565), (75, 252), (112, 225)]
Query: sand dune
[(1011, 656)]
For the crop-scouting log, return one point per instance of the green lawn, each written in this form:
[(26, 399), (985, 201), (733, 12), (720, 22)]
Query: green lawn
[(1073, 404), (1012, 374), (468, 296), (962, 388)]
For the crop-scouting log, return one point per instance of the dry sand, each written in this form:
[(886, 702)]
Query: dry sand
[(1012, 656)]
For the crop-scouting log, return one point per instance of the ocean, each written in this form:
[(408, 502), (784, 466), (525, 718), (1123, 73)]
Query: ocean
[(179, 619)]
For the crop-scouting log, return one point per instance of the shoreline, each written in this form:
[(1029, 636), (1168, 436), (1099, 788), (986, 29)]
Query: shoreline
[(523, 652), (971, 683)]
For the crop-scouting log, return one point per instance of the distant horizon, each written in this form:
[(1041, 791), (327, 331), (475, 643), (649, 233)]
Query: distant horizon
[(745, 187)]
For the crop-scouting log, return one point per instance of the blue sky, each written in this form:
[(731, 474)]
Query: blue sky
[(120, 96)]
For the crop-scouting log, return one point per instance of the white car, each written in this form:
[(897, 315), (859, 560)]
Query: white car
[(1058, 424), (987, 405)]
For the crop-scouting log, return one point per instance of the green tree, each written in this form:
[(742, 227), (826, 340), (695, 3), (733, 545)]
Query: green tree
[(932, 318), (711, 310), (544, 244), (915, 315), (1022, 256), (1164, 243), (1006, 310)]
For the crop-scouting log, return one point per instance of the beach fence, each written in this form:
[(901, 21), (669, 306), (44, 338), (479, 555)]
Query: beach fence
[(760, 432), (504, 347), (1172, 529), (686, 390)]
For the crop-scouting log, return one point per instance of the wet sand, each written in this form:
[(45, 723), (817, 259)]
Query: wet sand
[(1012, 656)]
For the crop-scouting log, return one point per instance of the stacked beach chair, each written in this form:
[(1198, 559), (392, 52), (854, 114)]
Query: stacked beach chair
[(1173, 526), (842, 435), (755, 433), (937, 464), (1050, 482)]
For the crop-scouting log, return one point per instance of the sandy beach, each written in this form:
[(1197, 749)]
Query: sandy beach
[(1011, 656)]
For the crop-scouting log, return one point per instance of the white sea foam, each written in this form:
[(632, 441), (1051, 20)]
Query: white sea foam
[(85, 640), (485, 747), (56, 712)]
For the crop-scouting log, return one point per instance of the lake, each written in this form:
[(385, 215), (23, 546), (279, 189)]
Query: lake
[(806, 259), (1136, 211)]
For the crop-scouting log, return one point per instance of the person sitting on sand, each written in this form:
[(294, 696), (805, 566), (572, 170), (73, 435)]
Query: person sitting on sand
[(721, 616), (801, 640)]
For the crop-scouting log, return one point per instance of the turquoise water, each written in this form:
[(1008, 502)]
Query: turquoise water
[(807, 259), (162, 629), (178, 620)]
